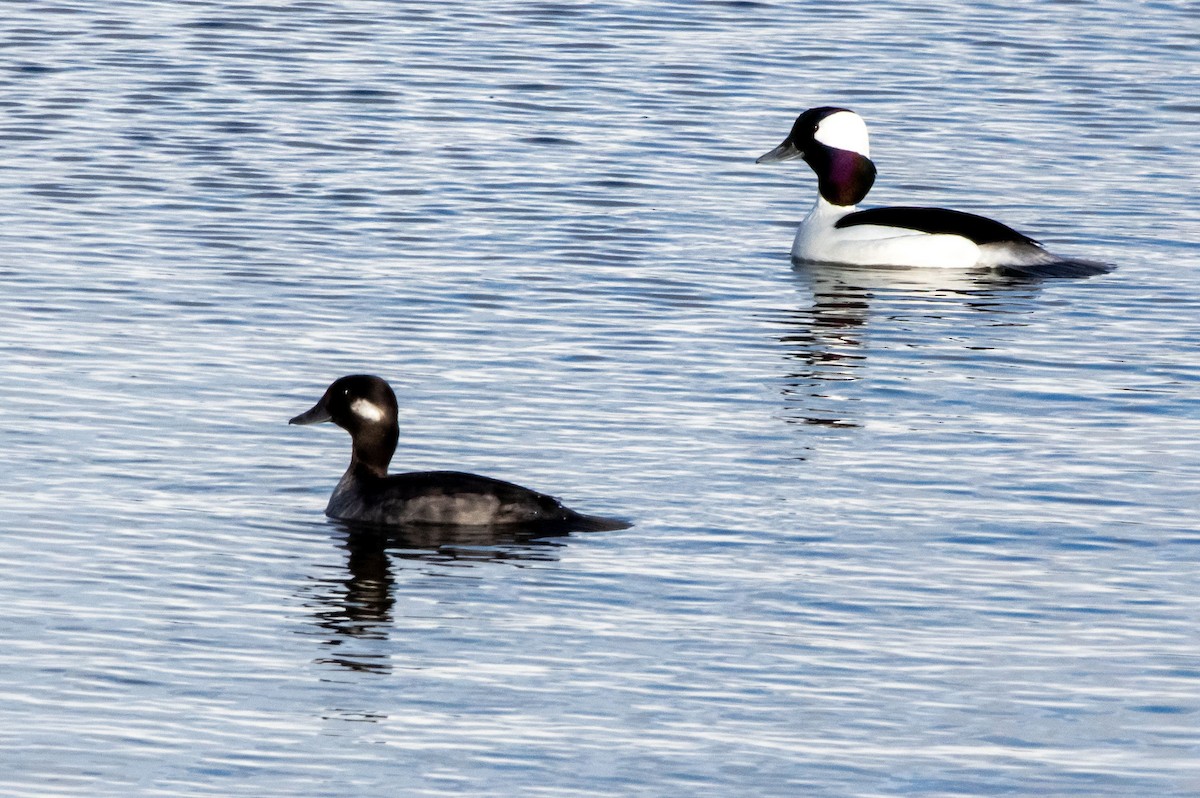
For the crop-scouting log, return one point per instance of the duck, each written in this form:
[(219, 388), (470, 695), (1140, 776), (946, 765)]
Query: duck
[(365, 406), (834, 142)]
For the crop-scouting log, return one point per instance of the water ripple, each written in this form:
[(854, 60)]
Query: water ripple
[(895, 532)]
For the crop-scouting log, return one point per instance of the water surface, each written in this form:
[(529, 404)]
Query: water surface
[(894, 533)]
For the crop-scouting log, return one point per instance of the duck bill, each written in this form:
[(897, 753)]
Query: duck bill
[(316, 415), (784, 152)]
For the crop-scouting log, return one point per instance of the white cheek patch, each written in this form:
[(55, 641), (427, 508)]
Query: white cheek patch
[(845, 130), (365, 410)]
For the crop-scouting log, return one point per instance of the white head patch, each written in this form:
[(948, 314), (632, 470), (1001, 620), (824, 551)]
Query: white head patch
[(844, 130), (367, 411)]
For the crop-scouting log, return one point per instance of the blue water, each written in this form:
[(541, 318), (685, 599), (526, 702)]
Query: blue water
[(894, 533)]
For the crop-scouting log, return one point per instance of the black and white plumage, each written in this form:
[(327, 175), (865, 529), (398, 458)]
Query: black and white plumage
[(834, 142), (365, 406)]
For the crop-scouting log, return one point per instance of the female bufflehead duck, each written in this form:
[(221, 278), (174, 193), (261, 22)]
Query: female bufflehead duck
[(833, 141), (365, 406)]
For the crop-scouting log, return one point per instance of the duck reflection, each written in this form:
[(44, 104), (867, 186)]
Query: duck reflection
[(356, 605), (826, 340), (825, 344)]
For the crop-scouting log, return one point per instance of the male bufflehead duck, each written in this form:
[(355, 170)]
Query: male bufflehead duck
[(365, 406), (833, 141)]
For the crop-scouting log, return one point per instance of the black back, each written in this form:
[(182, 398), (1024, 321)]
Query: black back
[(415, 484), (979, 229)]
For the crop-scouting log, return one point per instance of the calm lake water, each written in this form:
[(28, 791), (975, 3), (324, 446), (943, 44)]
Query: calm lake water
[(894, 533)]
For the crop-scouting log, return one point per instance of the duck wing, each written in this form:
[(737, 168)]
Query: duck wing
[(979, 229)]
